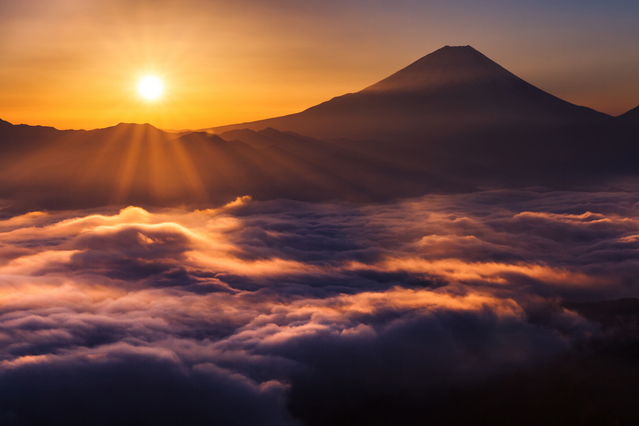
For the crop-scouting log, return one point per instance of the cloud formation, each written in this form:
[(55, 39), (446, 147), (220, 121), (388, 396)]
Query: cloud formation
[(277, 312)]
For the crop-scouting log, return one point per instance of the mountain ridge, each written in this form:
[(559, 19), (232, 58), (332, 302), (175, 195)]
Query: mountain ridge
[(632, 114)]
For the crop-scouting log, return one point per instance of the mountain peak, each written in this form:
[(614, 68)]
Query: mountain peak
[(135, 125), (467, 47), (445, 67)]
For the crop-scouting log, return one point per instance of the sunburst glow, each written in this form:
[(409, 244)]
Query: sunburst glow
[(150, 87)]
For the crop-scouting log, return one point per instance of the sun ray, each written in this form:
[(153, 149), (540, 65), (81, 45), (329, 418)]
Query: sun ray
[(127, 175)]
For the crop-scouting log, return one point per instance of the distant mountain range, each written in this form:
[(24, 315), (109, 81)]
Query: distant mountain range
[(452, 121), (139, 164)]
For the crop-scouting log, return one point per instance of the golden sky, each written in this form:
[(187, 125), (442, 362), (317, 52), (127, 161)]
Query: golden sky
[(75, 64)]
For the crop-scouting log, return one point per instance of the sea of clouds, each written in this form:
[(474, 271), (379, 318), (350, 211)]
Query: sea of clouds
[(259, 313)]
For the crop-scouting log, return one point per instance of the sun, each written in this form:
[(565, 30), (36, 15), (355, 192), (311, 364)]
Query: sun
[(150, 87)]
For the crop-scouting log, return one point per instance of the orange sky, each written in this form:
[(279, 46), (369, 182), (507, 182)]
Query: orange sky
[(75, 64)]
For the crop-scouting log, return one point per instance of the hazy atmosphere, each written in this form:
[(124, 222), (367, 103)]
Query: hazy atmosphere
[(327, 213)]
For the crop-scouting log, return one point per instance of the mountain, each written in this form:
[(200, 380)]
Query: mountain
[(458, 114), (44, 168), (632, 115), (454, 89)]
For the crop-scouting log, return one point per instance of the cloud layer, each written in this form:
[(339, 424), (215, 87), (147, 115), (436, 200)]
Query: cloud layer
[(270, 312)]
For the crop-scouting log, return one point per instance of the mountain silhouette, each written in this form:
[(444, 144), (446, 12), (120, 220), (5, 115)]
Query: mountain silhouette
[(44, 168), (452, 121), (451, 88), (632, 115), (458, 114)]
